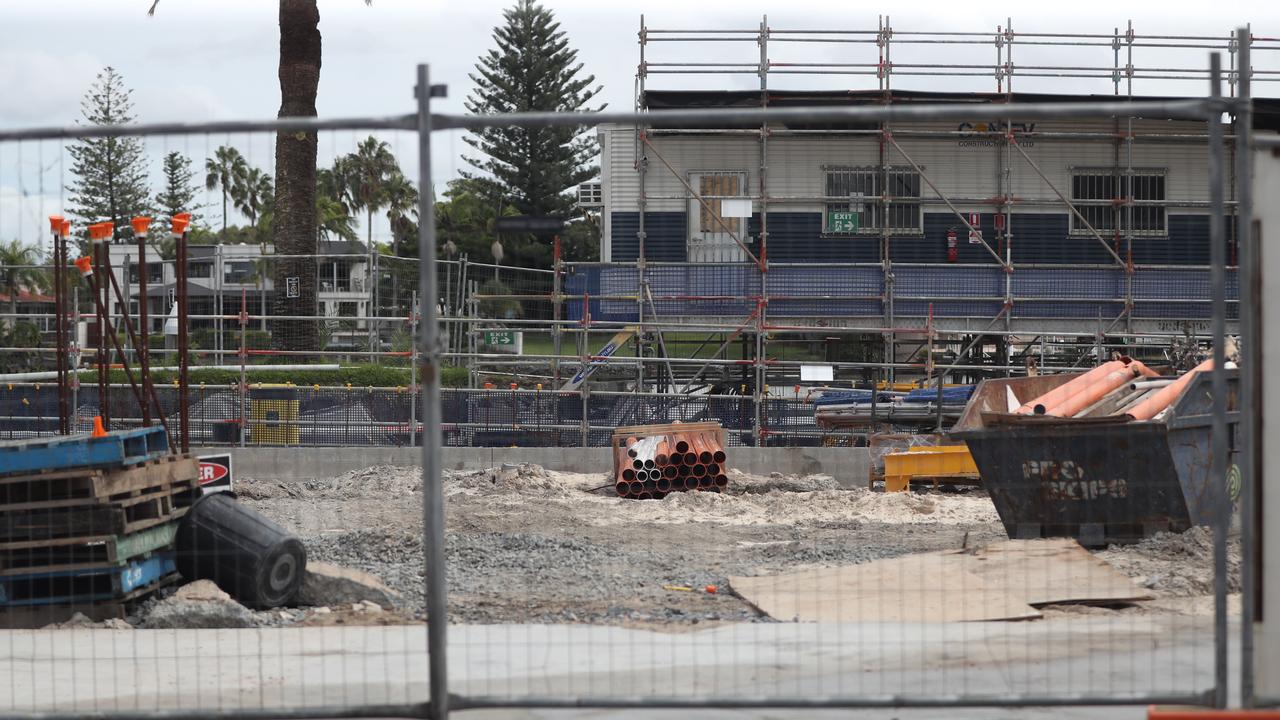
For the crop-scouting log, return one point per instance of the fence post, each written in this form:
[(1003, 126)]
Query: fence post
[(1218, 435), (414, 311), (432, 493), (244, 357), (586, 422)]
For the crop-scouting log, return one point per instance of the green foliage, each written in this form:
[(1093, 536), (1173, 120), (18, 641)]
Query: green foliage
[(501, 308), (110, 173), (179, 193), (532, 69), (19, 335), (580, 241), (465, 225)]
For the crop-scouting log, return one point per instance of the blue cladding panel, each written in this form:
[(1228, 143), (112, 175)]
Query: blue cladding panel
[(1037, 238), (1063, 283), (797, 237), (850, 291), (947, 281), (664, 236)]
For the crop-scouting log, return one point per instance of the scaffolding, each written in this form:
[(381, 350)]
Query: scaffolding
[(1106, 215)]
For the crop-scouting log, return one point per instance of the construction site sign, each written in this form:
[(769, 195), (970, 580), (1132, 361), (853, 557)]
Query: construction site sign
[(505, 340), (843, 222), (599, 358)]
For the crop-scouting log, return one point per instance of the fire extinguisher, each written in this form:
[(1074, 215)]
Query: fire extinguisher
[(953, 247)]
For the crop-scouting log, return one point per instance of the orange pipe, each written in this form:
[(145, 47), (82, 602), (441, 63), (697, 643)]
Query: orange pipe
[(1057, 395), (1093, 392), (661, 457), (1165, 396)]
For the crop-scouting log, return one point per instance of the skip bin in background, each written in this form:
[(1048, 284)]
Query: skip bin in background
[(1100, 480)]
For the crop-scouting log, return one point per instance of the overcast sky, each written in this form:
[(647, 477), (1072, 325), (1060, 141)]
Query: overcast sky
[(216, 59)]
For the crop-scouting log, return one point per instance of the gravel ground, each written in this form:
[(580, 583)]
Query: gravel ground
[(525, 545)]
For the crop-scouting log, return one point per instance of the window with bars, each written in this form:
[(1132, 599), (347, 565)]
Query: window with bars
[(863, 186), (1100, 194)]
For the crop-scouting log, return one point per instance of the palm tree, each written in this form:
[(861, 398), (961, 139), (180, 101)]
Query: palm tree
[(17, 273), (251, 193), (364, 177), (402, 209), (332, 218), (224, 170)]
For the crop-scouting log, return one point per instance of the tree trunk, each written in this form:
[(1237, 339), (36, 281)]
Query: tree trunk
[(294, 230)]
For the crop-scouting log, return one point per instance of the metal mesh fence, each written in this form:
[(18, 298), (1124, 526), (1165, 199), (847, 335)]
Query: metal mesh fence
[(1058, 538)]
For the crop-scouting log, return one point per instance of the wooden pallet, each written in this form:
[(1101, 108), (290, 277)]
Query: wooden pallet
[(115, 449), (37, 616), (86, 553), (639, 431), (140, 510), (85, 587), (86, 486)]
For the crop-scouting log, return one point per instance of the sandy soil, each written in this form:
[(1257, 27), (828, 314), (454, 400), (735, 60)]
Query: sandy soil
[(527, 545)]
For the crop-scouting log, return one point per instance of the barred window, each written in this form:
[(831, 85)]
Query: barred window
[(863, 185), (1099, 195)]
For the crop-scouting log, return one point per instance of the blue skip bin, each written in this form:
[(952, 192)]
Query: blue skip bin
[(119, 448)]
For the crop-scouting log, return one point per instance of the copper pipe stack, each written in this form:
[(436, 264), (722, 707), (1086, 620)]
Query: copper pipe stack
[(652, 461)]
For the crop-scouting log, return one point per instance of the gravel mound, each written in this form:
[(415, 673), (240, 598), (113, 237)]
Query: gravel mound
[(1175, 564)]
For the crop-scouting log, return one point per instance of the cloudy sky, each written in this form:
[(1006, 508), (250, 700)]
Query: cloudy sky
[(216, 60)]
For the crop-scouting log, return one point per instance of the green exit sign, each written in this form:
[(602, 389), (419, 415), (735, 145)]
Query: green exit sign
[(499, 337), (843, 222)]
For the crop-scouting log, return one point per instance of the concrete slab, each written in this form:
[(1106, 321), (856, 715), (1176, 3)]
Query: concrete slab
[(79, 671)]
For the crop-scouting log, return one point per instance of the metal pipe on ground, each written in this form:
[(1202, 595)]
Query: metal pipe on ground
[(690, 458), (663, 485), (690, 483), (628, 474), (670, 472), (636, 487), (699, 470), (713, 469), (663, 453), (682, 444), (622, 488), (722, 481), (703, 448)]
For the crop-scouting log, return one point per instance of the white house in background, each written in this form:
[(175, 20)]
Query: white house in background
[(219, 277)]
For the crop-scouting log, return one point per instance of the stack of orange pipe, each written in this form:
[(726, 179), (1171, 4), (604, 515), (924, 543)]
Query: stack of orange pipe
[(652, 466)]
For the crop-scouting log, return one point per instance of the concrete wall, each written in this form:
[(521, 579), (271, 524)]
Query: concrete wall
[(848, 465)]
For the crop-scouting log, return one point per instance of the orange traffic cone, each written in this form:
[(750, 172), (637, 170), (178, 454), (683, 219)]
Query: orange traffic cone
[(98, 430)]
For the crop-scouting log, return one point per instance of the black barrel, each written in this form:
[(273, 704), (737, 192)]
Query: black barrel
[(256, 561)]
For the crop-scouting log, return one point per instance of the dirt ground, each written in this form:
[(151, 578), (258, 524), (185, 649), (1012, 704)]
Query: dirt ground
[(526, 545)]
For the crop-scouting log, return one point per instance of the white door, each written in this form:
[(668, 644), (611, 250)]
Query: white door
[(711, 236)]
